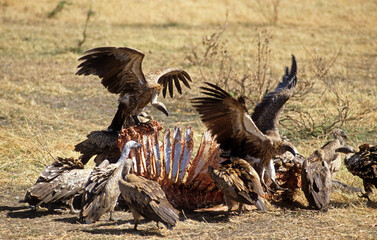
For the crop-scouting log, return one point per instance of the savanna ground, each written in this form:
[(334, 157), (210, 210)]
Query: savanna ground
[(45, 109)]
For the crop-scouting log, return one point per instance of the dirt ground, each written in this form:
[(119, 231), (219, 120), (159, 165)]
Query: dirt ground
[(18, 221), (45, 109)]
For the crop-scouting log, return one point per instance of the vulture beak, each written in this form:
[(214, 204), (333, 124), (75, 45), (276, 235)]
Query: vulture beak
[(162, 108)]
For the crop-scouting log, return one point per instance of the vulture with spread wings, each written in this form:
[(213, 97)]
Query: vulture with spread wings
[(121, 73), (256, 138)]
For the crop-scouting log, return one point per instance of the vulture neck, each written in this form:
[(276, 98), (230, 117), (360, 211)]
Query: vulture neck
[(122, 161)]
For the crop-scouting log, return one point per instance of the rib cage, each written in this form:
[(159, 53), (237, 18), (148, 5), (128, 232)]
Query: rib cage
[(184, 178)]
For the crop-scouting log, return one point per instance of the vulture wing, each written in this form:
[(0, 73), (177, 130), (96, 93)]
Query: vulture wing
[(169, 77), (59, 182), (267, 112), (228, 119), (148, 199), (316, 183), (119, 68)]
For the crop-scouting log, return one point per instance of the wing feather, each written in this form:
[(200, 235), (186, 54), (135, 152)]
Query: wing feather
[(169, 77), (267, 112), (119, 68), (228, 120)]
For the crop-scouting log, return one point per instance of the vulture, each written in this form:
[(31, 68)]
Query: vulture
[(316, 181), (60, 183), (146, 198), (364, 165), (101, 191), (239, 182), (331, 155), (256, 138), (121, 73)]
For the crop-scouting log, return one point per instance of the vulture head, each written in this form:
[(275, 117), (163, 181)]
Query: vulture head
[(339, 133), (287, 147)]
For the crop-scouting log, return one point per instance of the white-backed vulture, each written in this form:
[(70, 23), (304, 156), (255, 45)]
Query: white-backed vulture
[(316, 181), (364, 165), (145, 198), (60, 183), (256, 138), (239, 182), (101, 192), (121, 72)]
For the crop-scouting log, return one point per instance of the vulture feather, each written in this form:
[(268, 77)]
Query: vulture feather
[(239, 182), (316, 181), (243, 136), (145, 198), (101, 191), (59, 184), (121, 72), (364, 165)]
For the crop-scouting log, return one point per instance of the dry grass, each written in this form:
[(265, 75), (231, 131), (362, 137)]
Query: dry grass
[(43, 105)]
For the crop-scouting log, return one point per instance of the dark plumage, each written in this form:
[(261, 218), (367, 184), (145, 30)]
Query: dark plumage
[(146, 198), (100, 143), (239, 182), (255, 139), (59, 184), (364, 165), (101, 191), (121, 73), (316, 181)]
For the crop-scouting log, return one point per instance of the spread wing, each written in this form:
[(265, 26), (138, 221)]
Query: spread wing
[(146, 197), (267, 112), (119, 68), (228, 119), (96, 182), (169, 77)]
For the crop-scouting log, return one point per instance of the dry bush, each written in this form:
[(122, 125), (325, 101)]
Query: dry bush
[(332, 109), (216, 64)]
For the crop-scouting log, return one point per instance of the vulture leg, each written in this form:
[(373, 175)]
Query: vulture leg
[(240, 207), (278, 187), (118, 119), (111, 216), (137, 217)]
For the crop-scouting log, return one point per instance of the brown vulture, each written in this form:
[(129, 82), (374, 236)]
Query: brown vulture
[(60, 183), (239, 182), (256, 138), (364, 165), (121, 73), (145, 198), (101, 192), (316, 181)]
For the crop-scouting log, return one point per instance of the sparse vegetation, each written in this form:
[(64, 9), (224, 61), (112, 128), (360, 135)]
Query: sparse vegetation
[(45, 106)]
